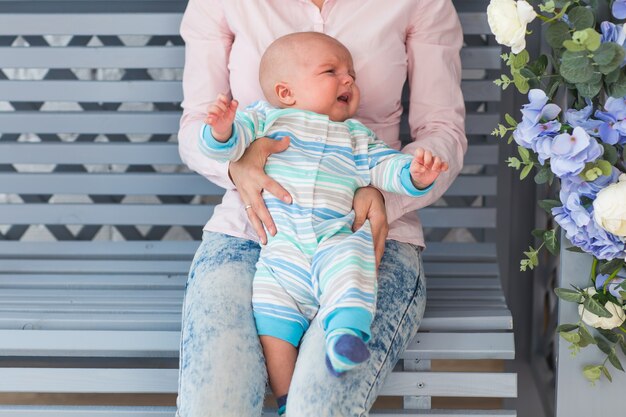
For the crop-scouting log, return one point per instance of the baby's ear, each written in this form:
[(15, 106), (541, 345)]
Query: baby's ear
[(284, 94)]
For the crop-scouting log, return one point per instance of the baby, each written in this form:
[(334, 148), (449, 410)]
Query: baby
[(315, 264)]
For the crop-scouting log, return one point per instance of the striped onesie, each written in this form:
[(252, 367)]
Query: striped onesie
[(315, 264)]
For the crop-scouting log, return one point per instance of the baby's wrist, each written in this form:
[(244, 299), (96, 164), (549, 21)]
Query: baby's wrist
[(420, 185), (221, 136)]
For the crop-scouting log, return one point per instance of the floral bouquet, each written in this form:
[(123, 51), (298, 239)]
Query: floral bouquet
[(578, 142)]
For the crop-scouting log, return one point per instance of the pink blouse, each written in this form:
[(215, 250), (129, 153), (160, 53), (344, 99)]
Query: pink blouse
[(388, 40)]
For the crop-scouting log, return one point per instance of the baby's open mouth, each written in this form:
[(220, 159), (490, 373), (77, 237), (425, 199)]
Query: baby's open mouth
[(344, 98)]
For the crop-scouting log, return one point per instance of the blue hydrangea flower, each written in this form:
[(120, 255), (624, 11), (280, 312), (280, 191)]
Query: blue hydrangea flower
[(581, 118), (580, 228), (568, 153), (612, 129), (619, 9), (613, 286), (589, 189), (537, 109), (526, 132)]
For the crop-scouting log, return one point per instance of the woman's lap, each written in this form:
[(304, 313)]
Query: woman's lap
[(400, 307), (222, 371)]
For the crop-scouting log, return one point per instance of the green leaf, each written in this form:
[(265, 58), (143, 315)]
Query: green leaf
[(592, 372), (606, 373), (538, 233), (543, 175), (557, 33), (618, 88), (510, 120), (589, 90), (608, 56), (521, 83), (581, 18), (603, 345), (611, 266), (610, 153), (575, 249), (567, 327), (576, 67), (520, 60), (588, 38), (524, 153), (539, 66), (573, 46), (525, 171), (566, 294), (605, 166), (513, 162), (553, 87), (548, 205), (548, 7), (552, 243), (609, 335), (570, 337), (586, 338), (612, 76), (615, 361), (593, 306), (622, 345)]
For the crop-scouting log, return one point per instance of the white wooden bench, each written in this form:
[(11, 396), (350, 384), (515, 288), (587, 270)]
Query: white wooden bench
[(99, 221)]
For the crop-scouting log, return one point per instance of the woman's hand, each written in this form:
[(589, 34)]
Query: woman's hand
[(249, 177), (369, 204)]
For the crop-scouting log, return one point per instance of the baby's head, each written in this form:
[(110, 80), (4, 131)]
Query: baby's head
[(310, 71)]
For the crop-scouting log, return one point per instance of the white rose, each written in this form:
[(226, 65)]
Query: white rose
[(609, 208), (508, 20), (598, 322)]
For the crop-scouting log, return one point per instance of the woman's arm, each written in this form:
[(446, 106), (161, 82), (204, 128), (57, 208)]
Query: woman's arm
[(437, 111), (208, 40)]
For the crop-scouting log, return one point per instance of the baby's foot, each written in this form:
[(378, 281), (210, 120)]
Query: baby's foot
[(345, 350), (282, 405)]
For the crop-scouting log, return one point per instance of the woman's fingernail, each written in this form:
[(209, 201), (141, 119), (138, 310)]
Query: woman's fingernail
[(286, 199)]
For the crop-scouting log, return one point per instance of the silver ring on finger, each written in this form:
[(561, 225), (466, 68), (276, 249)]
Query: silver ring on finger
[(248, 206)]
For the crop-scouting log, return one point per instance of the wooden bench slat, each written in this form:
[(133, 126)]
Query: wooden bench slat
[(477, 319), (95, 91), (85, 411), (190, 215), (80, 265), (144, 411), (113, 122), (480, 317), (150, 57), (158, 183), (141, 122), (166, 344), (92, 24), (451, 252), (139, 91), (152, 153), (105, 57), (64, 380), (473, 23)]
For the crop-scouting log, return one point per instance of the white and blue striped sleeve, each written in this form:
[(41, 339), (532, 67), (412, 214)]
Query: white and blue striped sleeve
[(246, 125), (389, 169)]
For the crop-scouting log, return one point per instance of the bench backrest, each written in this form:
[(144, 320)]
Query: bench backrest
[(87, 133)]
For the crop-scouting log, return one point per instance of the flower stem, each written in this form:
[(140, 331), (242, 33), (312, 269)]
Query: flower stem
[(594, 265)]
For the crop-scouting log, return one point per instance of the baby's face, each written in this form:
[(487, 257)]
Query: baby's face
[(323, 81)]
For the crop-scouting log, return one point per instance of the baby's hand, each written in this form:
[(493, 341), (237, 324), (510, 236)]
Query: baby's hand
[(220, 116), (425, 168)]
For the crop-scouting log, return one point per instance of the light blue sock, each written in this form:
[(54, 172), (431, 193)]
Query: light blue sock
[(345, 350), (282, 405)]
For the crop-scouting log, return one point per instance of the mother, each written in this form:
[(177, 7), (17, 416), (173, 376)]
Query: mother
[(222, 371)]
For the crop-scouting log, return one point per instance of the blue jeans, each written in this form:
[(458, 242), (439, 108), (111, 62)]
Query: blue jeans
[(222, 370)]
